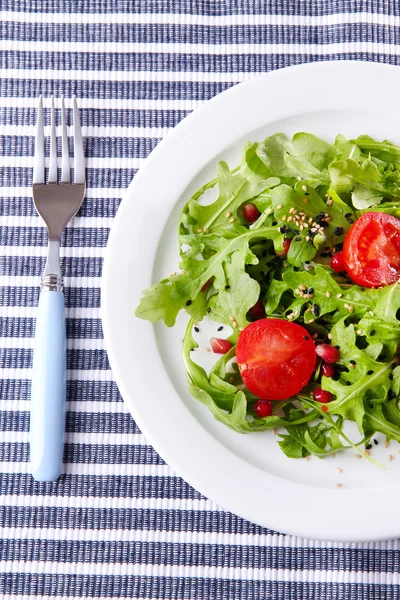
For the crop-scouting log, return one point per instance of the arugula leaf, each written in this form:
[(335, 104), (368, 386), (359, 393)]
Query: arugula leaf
[(237, 296)]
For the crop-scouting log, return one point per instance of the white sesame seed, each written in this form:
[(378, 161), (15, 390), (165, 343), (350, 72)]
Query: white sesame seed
[(338, 485), (232, 220), (274, 431), (328, 294), (307, 238), (329, 336), (313, 229), (199, 230), (329, 202), (390, 458), (234, 324), (339, 295), (284, 218), (208, 349), (338, 470), (301, 227), (231, 319), (346, 306), (315, 336), (358, 456), (291, 210), (351, 309), (304, 188), (289, 218), (228, 214), (279, 206), (386, 444), (305, 200), (310, 220)]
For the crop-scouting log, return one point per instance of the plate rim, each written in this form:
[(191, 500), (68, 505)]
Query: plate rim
[(113, 276)]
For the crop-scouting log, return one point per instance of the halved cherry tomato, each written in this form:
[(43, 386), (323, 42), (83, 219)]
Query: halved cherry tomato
[(276, 358), (371, 250)]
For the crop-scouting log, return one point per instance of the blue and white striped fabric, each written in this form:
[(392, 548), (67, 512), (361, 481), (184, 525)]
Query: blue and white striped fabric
[(119, 523)]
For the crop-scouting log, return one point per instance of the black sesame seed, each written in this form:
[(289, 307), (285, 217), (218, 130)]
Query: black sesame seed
[(338, 230), (353, 362), (306, 193), (227, 287), (348, 218), (188, 303), (306, 262), (376, 442), (283, 229), (370, 372), (337, 347), (196, 329), (348, 382), (220, 328), (306, 337), (368, 447), (391, 395), (315, 310), (208, 309), (191, 349), (310, 290), (274, 223), (297, 239), (372, 332), (390, 376)]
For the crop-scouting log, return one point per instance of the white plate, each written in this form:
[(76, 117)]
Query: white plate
[(248, 474)]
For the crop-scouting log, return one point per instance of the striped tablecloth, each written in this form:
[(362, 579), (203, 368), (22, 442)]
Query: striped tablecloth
[(120, 523)]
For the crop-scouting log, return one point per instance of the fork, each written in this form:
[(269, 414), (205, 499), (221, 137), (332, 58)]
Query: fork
[(56, 204)]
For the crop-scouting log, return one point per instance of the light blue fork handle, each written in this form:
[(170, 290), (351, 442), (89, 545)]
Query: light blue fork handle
[(47, 421)]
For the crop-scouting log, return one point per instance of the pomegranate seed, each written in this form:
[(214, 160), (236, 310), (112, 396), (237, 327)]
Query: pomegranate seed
[(263, 408), (322, 396), (328, 353), (327, 370), (337, 263), (250, 212), (324, 408), (258, 310), (220, 346), (205, 286), (286, 246)]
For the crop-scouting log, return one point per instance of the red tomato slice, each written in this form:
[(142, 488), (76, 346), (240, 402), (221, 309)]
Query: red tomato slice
[(276, 358), (371, 250)]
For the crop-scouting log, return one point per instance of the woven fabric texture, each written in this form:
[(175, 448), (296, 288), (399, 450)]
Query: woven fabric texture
[(119, 523)]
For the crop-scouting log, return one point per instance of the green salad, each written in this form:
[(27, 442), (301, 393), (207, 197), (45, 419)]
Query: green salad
[(298, 261)]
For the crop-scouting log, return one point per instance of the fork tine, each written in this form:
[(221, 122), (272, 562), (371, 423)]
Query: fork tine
[(53, 146), (65, 174), (38, 169), (79, 166)]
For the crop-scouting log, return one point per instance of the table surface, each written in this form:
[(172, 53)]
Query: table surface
[(119, 523)]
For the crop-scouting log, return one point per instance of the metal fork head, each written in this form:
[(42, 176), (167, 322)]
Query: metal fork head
[(57, 204)]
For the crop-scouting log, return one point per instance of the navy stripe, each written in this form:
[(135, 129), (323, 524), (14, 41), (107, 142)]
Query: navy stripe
[(73, 237), (201, 555), (95, 147), (94, 117), (75, 297), (95, 178), (76, 422), (24, 327), (121, 90), (77, 359), (127, 519), (103, 391), (106, 486), (210, 63), (72, 266), (207, 7), (181, 588), (174, 33), (22, 206), (93, 454)]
